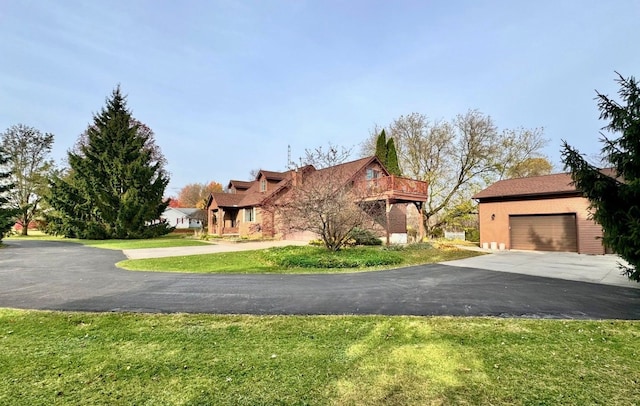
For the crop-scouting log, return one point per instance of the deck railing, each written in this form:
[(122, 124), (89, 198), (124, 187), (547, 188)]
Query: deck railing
[(394, 185)]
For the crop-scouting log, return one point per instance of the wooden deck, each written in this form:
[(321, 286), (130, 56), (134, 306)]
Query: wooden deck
[(394, 189)]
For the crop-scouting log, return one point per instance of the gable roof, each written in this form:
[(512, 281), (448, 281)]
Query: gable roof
[(342, 173), (240, 184), (187, 211), (555, 184), (272, 175)]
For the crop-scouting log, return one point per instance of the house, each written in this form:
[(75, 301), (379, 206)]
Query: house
[(183, 218), (249, 208), (542, 213)]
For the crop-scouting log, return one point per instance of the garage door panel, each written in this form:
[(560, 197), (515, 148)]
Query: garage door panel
[(556, 232)]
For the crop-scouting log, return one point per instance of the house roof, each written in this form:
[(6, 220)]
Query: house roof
[(555, 184), (240, 184), (272, 175), (226, 199), (187, 211), (342, 173)]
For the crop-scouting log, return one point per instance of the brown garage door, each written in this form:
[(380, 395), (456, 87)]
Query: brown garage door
[(546, 232)]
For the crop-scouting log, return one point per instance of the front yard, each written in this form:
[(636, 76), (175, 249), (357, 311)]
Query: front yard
[(82, 358)]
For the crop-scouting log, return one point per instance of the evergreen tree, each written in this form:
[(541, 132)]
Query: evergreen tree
[(114, 187), (381, 148), (615, 199), (7, 214), (392, 158)]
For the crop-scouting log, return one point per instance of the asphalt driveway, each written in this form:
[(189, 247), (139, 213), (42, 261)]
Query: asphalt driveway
[(67, 276)]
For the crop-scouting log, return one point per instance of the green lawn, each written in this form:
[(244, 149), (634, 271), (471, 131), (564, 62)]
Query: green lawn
[(170, 240), (81, 358), (300, 259)]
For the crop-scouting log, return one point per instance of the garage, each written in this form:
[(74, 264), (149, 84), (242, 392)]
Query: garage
[(544, 232)]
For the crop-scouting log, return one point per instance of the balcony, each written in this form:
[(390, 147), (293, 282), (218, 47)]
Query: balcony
[(394, 188)]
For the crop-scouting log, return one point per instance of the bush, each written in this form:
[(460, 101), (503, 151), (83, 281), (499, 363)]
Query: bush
[(311, 257), (473, 234), (362, 236)]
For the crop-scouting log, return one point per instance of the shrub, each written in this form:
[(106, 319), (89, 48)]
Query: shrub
[(362, 236), (308, 257)]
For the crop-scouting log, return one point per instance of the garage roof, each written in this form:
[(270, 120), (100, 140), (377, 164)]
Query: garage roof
[(559, 183)]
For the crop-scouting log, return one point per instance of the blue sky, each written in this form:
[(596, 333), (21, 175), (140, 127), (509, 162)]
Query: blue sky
[(228, 85)]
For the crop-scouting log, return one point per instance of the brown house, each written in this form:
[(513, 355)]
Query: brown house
[(543, 213), (247, 208)]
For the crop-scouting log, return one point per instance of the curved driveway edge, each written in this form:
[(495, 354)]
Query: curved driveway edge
[(67, 276), (213, 248)]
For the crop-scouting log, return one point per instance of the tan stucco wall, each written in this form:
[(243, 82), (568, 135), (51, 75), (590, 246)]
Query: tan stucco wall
[(497, 230)]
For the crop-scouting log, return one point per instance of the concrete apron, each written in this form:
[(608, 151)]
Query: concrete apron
[(601, 269)]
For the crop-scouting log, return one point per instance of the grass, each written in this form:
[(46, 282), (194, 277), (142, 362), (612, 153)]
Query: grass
[(170, 240), (301, 259), (81, 358)]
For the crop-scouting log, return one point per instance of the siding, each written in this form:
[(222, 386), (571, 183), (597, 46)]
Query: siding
[(497, 229)]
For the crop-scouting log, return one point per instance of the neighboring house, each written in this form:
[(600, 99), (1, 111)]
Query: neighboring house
[(184, 217), (543, 213), (250, 208)]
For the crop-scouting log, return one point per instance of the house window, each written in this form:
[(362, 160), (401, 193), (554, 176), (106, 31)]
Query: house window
[(249, 215), (263, 185), (372, 174)]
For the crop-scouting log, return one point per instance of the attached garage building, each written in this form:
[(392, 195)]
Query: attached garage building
[(542, 213)]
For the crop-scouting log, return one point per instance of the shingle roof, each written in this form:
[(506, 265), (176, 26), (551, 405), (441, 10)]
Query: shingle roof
[(240, 184), (559, 183), (271, 175), (188, 211), (342, 173), (227, 199)]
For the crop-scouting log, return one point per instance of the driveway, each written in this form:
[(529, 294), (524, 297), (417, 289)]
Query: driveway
[(67, 276)]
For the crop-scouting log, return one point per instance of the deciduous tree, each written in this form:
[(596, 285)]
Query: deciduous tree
[(7, 214), (615, 200), (196, 194), (28, 150), (456, 157), (114, 186), (322, 201), (530, 167)]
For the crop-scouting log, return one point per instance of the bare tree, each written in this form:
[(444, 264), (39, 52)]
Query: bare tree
[(28, 151), (322, 199), (456, 157)]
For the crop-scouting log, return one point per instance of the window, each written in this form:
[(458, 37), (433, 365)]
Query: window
[(372, 174), (249, 215), (263, 185)]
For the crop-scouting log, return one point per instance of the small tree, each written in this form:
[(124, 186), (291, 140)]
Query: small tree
[(322, 200), (115, 184), (28, 152), (615, 199), (392, 158), (387, 154), (7, 214)]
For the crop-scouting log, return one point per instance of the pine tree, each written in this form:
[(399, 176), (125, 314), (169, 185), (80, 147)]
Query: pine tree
[(392, 159), (7, 215), (381, 148), (615, 200), (114, 187)]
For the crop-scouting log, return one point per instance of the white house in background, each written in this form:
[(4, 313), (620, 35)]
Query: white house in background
[(184, 217)]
